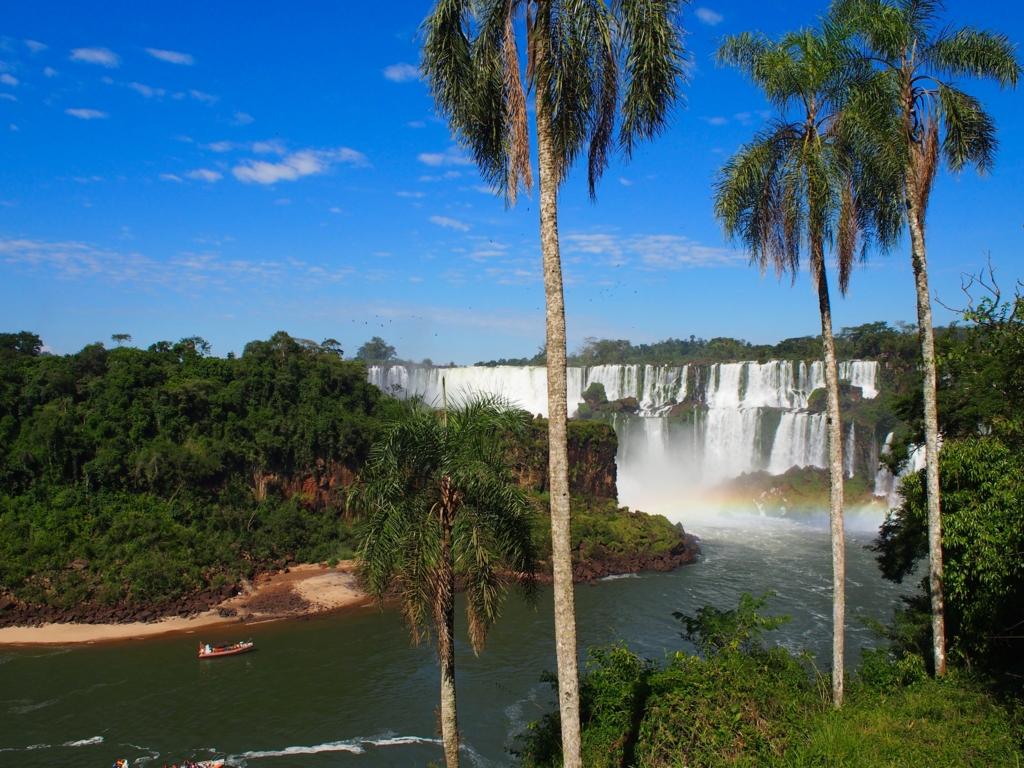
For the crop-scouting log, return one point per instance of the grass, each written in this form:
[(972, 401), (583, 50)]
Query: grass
[(741, 705), (955, 722)]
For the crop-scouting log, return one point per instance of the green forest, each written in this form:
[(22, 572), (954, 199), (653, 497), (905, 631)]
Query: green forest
[(870, 341), (138, 476)]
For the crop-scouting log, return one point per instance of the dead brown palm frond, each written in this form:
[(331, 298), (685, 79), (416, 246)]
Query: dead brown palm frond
[(520, 171), (926, 155)]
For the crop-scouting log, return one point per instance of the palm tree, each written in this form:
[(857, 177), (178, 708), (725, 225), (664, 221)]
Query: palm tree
[(933, 120), (808, 180), (443, 506), (589, 62)]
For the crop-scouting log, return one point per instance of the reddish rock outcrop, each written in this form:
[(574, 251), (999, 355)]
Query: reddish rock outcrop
[(323, 486)]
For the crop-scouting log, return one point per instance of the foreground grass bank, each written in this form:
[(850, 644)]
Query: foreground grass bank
[(741, 704)]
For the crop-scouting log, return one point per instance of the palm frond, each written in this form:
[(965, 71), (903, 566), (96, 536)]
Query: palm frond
[(975, 53), (969, 131), (427, 475), (654, 66)]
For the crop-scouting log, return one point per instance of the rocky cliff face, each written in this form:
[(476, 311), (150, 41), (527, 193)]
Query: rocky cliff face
[(592, 449), (321, 487)]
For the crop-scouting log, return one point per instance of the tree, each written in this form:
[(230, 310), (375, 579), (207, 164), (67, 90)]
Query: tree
[(588, 63), (807, 180), (933, 121), (23, 343), (442, 504), (121, 338), (981, 398), (333, 347), (376, 350)]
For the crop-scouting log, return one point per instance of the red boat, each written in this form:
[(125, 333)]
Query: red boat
[(207, 651)]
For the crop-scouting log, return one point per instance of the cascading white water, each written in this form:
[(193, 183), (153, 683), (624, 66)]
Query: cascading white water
[(724, 438), (887, 485), (800, 441), (860, 373), (730, 442), (850, 452)]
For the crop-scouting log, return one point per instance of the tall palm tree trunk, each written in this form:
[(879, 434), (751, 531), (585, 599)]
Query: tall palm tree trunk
[(915, 218), (558, 449), (444, 622), (835, 476)]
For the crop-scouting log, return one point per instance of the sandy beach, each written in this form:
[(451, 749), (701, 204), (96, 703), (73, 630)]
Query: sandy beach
[(303, 591)]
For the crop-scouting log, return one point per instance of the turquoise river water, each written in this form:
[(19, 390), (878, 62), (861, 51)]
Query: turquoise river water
[(347, 689)]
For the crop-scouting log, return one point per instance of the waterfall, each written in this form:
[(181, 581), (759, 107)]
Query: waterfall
[(729, 442), (887, 486), (849, 451), (801, 441), (727, 433), (860, 373)]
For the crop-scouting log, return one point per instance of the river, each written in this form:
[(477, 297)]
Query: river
[(348, 689)]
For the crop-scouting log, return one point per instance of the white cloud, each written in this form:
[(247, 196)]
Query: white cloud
[(409, 194), (171, 56), (444, 221), (8, 79), (401, 73), (653, 251), (709, 17), (206, 98), (742, 116), (486, 190), (625, 182), (87, 114), (335, 210), (169, 177), (205, 174), (296, 165), (242, 118), (263, 147), (417, 124), (74, 260), (8, 96), (451, 156), (102, 56), (221, 146), (14, 127), (35, 46), (716, 120), (50, 72), (146, 91)]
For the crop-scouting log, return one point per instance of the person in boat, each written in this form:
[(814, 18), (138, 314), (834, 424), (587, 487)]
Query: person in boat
[(208, 649)]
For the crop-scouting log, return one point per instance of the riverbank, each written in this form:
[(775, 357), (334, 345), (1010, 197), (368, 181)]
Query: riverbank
[(301, 591)]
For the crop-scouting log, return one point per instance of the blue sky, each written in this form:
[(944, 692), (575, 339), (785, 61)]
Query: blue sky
[(229, 170)]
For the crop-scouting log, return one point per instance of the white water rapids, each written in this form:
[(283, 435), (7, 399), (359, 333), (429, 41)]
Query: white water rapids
[(730, 418)]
